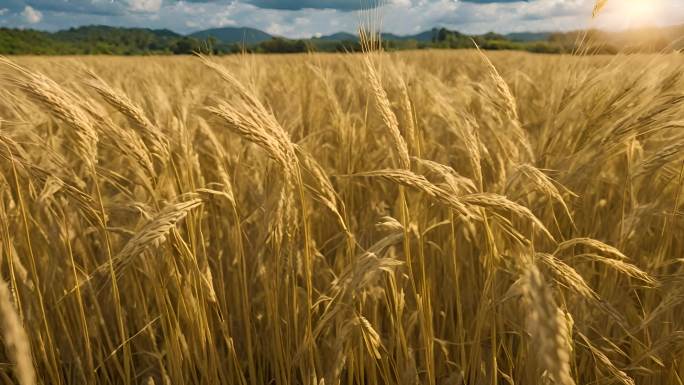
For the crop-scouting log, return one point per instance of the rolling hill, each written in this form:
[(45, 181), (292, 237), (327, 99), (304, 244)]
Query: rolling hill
[(98, 39), (339, 36), (231, 35), (528, 36)]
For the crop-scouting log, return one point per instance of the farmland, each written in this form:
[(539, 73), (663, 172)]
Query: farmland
[(422, 217)]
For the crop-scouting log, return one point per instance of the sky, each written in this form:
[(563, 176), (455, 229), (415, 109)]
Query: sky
[(305, 18)]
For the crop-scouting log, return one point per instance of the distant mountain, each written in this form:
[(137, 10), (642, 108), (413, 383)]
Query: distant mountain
[(251, 36), (231, 35), (432, 34), (392, 37), (528, 36), (98, 39), (340, 36), (425, 36)]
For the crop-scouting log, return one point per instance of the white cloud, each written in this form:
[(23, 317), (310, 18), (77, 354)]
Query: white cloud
[(31, 15), (3, 11), (401, 3), (144, 5), (398, 16), (276, 29), (222, 21), (302, 21)]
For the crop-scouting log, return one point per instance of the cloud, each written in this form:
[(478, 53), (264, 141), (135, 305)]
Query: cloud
[(3, 11), (349, 5), (144, 5), (494, 1), (304, 18), (343, 5), (70, 7), (31, 15)]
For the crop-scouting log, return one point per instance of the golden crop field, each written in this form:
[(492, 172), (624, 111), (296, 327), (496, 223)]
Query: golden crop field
[(427, 217)]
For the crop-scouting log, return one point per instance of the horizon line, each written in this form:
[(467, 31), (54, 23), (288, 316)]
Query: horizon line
[(188, 34)]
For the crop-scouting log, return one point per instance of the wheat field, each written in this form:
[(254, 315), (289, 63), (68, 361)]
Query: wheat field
[(428, 217)]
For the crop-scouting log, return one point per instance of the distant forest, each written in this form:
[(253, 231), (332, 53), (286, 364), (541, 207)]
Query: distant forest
[(141, 41)]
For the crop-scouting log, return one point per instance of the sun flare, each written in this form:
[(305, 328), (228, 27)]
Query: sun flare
[(630, 13)]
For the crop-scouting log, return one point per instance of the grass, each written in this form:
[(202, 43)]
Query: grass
[(432, 217)]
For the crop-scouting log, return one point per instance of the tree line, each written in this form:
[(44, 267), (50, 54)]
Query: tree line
[(93, 40)]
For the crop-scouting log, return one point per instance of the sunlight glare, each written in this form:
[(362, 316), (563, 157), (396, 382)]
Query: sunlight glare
[(638, 13)]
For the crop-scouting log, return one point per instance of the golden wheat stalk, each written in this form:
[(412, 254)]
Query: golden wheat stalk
[(15, 338), (567, 276), (126, 140), (324, 192), (592, 244), (606, 363), (545, 184), (420, 183), (220, 157), (389, 118), (12, 152), (155, 139), (598, 7), (255, 109), (623, 267), (152, 234), (510, 106), (456, 182), (62, 104), (249, 127), (548, 326), (498, 202)]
